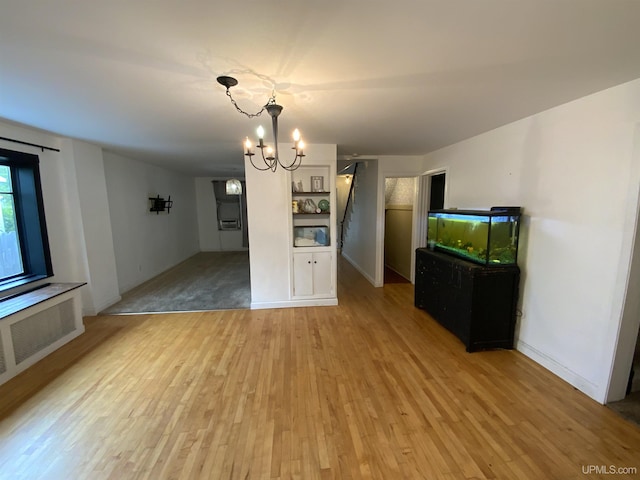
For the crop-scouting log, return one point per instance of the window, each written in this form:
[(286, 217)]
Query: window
[(24, 247), (11, 264)]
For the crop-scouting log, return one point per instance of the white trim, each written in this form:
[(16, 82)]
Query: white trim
[(317, 302), (626, 336), (378, 281), (362, 272), (102, 306), (421, 208), (573, 378)]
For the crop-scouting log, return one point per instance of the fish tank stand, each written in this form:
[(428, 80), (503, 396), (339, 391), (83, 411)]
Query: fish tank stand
[(477, 303)]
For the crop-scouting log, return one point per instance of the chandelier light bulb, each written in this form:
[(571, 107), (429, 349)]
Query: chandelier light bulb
[(260, 132), (296, 135), (247, 145)]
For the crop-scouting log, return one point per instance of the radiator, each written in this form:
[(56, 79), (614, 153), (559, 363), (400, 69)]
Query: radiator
[(35, 333), (30, 332)]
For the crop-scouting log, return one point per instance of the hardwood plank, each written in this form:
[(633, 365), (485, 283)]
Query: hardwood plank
[(371, 388)]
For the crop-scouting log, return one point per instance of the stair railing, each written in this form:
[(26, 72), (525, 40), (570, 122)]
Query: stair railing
[(346, 207)]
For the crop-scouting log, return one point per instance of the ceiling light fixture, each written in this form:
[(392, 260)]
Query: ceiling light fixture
[(233, 187), (271, 159)]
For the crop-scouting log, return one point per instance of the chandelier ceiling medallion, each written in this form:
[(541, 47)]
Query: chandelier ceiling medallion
[(269, 154)]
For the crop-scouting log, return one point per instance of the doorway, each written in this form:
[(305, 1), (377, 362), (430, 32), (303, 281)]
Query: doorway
[(436, 191), (400, 193), (432, 195), (429, 192)]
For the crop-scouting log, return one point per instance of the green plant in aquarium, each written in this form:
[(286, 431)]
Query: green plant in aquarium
[(503, 255)]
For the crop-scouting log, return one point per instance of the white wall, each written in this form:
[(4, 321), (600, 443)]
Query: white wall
[(98, 238), (575, 171), (211, 239), (362, 230), (146, 243), (268, 212), (73, 191)]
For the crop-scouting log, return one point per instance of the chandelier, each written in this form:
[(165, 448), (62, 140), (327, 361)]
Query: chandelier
[(269, 155)]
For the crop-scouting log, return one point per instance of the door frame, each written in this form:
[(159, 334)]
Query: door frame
[(419, 218), (421, 210), (384, 223)]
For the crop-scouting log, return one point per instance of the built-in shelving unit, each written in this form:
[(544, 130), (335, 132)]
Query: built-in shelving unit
[(313, 234)]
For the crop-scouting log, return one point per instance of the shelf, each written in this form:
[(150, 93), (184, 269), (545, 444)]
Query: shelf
[(313, 265)]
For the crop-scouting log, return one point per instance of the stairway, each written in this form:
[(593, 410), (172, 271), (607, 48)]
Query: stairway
[(347, 210)]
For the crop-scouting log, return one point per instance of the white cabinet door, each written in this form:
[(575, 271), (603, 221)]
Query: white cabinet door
[(322, 284), (312, 274), (302, 274)]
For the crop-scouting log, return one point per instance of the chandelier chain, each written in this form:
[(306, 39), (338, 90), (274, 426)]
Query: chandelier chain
[(271, 159), (271, 101)]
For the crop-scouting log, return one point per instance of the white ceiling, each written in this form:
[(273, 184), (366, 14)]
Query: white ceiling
[(376, 78)]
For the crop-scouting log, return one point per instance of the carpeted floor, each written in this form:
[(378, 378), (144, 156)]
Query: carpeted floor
[(628, 408), (206, 281)]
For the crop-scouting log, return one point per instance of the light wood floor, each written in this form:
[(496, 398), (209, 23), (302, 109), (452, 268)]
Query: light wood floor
[(372, 388)]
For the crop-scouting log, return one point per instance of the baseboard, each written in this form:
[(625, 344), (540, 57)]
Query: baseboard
[(584, 385), (362, 272), (103, 306), (232, 250), (318, 302), (397, 272)]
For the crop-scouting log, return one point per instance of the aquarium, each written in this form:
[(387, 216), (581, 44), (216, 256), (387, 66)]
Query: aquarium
[(311, 236), (488, 237)]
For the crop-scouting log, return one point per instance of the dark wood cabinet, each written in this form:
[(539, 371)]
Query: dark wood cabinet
[(477, 303)]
